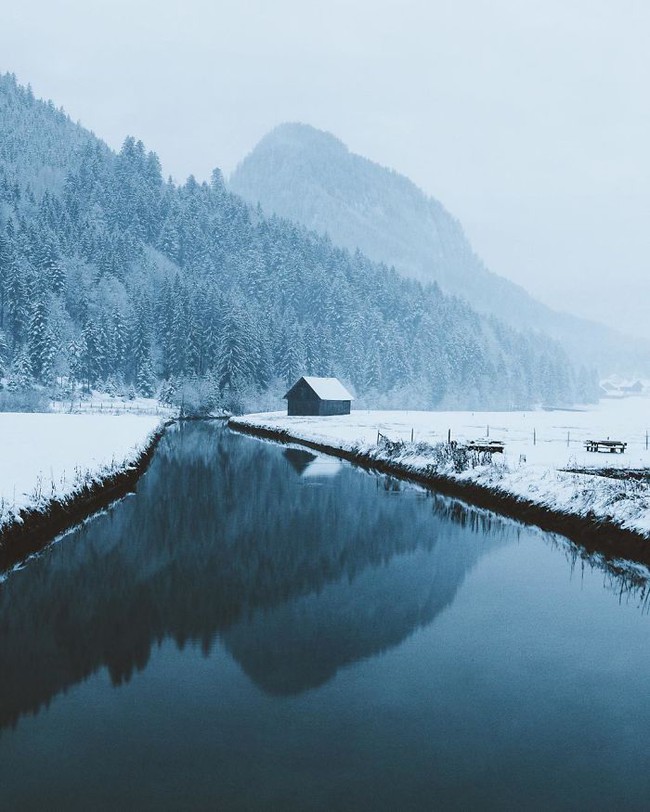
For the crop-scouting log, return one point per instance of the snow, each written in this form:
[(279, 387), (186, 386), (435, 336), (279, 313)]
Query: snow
[(321, 467), (539, 445), (50, 456), (328, 388), (103, 402)]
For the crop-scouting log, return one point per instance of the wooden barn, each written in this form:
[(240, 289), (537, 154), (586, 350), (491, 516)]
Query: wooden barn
[(318, 396)]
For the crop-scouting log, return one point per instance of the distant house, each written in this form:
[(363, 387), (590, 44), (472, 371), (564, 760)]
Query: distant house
[(318, 396), (633, 389)]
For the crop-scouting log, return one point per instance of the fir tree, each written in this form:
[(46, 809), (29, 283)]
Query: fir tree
[(4, 356), (40, 346), (20, 373)]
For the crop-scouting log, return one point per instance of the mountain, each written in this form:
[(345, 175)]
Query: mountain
[(39, 144), (114, 278), (310, 177)]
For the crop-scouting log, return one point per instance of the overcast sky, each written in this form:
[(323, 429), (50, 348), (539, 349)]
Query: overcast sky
[(529, 120)]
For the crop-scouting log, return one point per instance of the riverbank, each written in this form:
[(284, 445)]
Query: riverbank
[(58, 469), (531, 481)]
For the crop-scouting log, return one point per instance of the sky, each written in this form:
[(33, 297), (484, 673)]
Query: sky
[(528, 119)]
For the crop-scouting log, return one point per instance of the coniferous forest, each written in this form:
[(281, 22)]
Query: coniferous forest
[(114, 278)]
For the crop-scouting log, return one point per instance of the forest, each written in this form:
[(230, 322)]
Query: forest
[(113, 278)]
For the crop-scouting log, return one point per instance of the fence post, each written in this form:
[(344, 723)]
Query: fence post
[(411, 435), (448, 436), (534, 437), (568, 436)]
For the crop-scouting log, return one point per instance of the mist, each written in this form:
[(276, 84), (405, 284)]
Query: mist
[(529, 122)]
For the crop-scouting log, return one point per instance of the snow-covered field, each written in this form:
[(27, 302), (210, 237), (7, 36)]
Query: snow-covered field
[(105, 403), (539, 444), (51, 456)]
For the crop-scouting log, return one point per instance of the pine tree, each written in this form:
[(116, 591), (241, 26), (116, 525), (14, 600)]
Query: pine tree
[(56, 277), (16, 303), (145, 381), (142, 364), (4, 356), (292, 356), (235, 364), (20, 373), (89, 361), (118, 342), (6, 258), (40, 345)]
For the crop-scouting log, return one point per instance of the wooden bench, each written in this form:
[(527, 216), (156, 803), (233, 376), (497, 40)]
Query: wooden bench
[(493, 446), (613, 446)]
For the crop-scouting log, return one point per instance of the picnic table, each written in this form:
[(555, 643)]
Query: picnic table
[(494, 446), (613, 446)]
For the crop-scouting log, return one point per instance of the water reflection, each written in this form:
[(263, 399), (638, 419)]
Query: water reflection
[(219, 542), (312, 466), (629, 581), (302, 643)]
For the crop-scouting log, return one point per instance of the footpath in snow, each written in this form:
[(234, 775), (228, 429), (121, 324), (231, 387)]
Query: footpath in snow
[(539, 448), (52, 458)]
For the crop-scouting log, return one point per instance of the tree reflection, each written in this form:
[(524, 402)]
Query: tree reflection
[(220, 541)]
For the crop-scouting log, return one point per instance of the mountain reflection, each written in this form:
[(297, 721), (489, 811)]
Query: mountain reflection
[(221, 540), (302, 643)]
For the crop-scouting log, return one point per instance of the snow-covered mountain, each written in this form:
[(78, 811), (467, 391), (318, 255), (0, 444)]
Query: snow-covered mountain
[(309, 176), (112, 277)]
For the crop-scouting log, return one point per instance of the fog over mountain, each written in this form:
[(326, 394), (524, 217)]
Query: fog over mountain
[(310, 177), (112, 277)]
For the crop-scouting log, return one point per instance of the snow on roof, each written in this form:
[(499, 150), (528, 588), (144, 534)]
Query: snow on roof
[(322, 468), (327, 388)]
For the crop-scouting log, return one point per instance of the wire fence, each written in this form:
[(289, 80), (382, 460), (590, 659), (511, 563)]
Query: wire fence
[(112, 408), (577, 438)]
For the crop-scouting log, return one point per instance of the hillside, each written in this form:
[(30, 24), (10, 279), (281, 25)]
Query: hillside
[(38, 143), (112, 277), (310, 177)]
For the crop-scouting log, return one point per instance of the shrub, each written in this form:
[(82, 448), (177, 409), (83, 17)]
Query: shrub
[(24, 400)]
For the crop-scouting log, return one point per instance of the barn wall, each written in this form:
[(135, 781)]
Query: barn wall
[(332, 407), (305, 406), (313, 406)]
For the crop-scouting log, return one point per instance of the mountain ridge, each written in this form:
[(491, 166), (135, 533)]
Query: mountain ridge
[(112, 277), (309, 176)]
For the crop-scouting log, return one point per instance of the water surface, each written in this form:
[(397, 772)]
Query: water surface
[(263, 628)]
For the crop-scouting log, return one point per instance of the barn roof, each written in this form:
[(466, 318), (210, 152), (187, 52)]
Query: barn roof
[(325, 388)]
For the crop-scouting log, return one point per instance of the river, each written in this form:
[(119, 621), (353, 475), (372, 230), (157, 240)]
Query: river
[(263, 628)]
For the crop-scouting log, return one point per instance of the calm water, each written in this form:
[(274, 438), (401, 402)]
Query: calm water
[(259, 628)]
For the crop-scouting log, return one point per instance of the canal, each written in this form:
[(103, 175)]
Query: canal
[(259, 627)]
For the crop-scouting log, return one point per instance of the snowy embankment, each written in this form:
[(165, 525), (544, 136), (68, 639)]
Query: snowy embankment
[(53, 463), (545, 464)]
